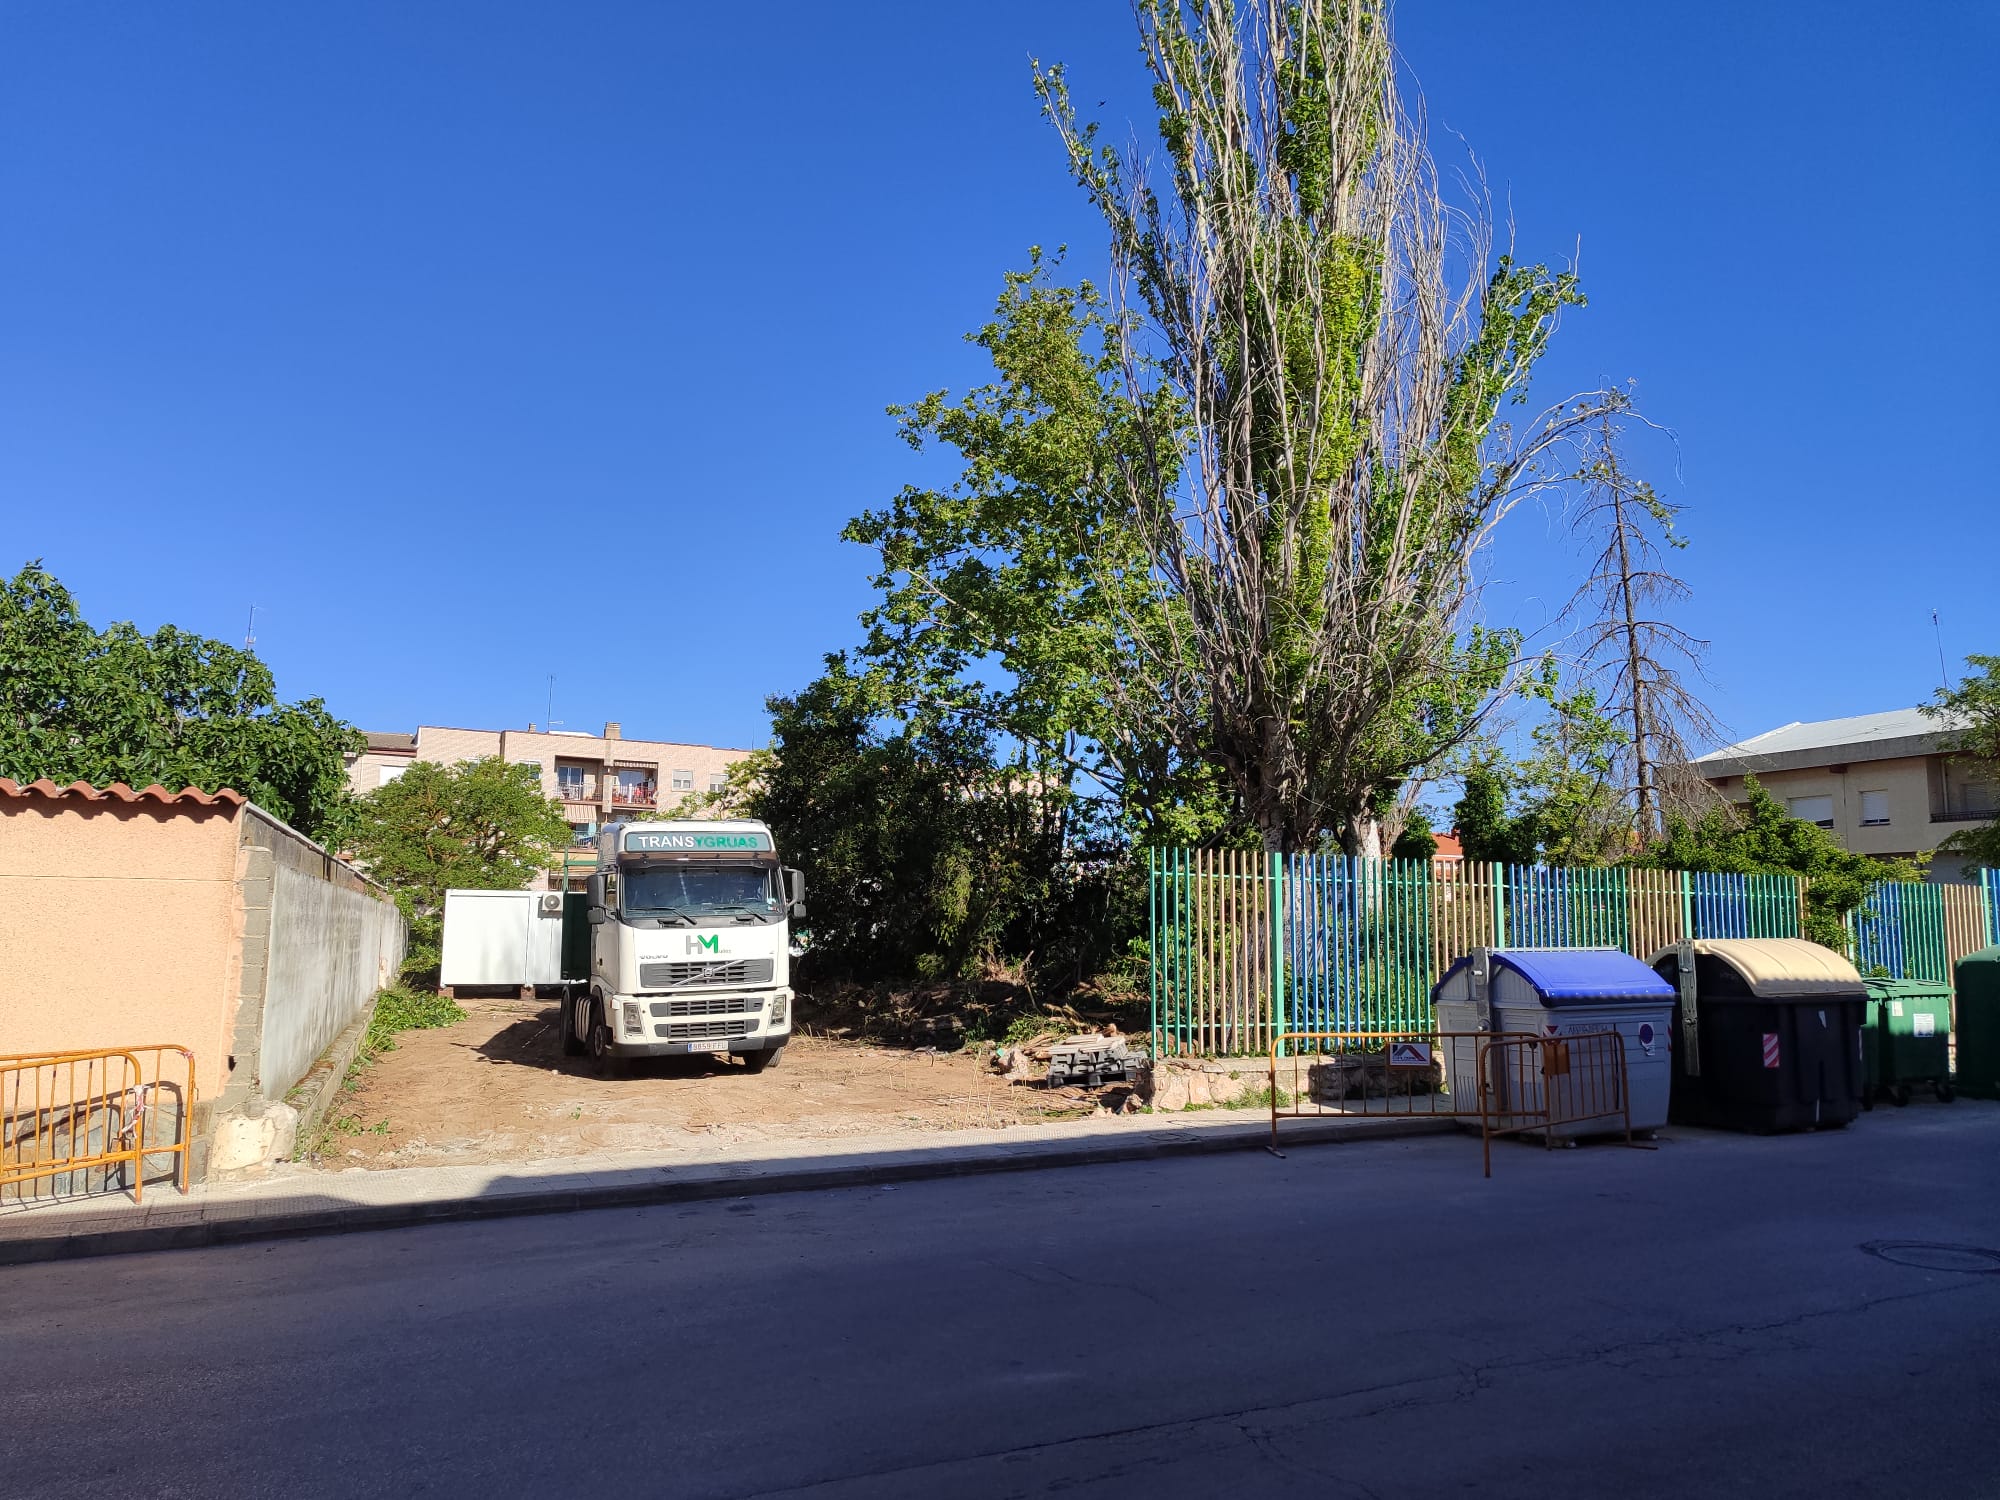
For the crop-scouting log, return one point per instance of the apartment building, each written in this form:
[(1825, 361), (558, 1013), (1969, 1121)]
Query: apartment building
[(597, 777), (1882, 783)]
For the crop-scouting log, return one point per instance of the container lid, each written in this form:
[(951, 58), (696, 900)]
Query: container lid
[(1580, 976), (1906, 989), (1776, 968)]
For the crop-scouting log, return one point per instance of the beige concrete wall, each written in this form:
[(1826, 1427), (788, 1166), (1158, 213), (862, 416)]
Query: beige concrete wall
[(364, 772), (665, 757), (119, 925), (444, 746), (1906, 780)]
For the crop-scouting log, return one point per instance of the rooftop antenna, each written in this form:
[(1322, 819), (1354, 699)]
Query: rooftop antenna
[(250, 629), (1944, 676), (550, 720)]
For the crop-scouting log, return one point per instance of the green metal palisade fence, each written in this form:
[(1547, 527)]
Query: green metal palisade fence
[(1246, 945), (1921, 931)]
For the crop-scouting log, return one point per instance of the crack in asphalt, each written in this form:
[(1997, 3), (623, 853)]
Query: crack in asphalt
[(1466, 1383)]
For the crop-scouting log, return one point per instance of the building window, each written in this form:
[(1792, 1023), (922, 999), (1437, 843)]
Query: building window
[(683, 781), (1817, 810), (389, 774), (1874, 809), (718, 782), (532, 765)]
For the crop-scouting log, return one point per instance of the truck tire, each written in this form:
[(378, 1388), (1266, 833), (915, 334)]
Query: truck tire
[(600, 1033), (757, 1062), (572, 1044)]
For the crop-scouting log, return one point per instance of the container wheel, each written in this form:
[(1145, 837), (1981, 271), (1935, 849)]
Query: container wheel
[(572, 1044), (1899, 1094), (1945, 1092)]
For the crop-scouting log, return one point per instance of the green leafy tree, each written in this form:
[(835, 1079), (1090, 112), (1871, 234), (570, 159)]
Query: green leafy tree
[(1013, 596), (1488, 826), (1316, 354), (1762, 838), (1560, 806), (1418, 840), (483, 825), (80, 704), (922, 854), (1972, 712)]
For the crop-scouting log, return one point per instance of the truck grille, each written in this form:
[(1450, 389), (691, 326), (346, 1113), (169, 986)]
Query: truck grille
[(702, 1031), (720, 1005), (662, 976)]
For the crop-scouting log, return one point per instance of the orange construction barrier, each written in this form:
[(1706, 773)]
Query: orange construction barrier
[(72, 1116)]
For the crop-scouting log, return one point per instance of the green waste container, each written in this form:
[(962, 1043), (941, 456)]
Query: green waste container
[(1906, 1039), (1979, 1024)]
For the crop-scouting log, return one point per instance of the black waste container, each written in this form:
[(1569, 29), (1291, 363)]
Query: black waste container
[(1768, 1038)]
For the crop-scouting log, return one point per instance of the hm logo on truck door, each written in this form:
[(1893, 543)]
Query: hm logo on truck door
[(710, 944)]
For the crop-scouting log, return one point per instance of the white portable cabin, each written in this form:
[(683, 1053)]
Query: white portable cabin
[(502, 938)]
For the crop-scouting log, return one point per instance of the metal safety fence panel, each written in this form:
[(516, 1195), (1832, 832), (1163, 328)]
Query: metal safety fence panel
[(95, 1121), (1401, 1074), (1507, 1083), (1558, 1086)]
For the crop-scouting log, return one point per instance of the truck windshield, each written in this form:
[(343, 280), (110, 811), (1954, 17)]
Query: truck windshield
[(702, 892)]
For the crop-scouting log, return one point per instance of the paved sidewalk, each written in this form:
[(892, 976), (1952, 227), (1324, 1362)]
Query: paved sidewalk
[(306, 1201)]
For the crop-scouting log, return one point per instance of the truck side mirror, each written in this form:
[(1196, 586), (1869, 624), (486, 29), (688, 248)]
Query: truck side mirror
[(795, 892), (596, 915), (593, 896)]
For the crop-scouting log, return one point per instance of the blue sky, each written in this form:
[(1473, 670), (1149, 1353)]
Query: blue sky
[(416, 326)]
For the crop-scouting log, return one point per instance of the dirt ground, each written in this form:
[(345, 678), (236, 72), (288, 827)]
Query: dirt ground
[(495, 1087)]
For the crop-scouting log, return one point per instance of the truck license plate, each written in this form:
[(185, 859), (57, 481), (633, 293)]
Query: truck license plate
[(722, 1047)]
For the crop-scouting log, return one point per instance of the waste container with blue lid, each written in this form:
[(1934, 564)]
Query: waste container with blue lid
[(1560, 993)]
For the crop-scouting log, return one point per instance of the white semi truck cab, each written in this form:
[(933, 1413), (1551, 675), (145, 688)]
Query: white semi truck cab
[(690, 944)]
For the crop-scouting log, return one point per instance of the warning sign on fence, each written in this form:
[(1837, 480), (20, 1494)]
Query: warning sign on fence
[(1409, 1054)]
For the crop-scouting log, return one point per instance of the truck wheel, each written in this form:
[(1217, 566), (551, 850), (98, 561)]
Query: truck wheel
[(572, 1044), (600, 1033), (1899, 1094), (1945, 1092), (757, 1062)]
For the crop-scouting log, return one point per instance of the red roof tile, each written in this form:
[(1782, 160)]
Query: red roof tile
[(119, 792)]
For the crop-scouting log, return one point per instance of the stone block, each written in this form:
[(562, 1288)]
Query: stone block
[(251, 1140)]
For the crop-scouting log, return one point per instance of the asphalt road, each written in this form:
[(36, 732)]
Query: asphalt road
[(1705, 1320)]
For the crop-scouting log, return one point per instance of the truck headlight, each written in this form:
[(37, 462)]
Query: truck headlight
[(780, 1006), (634, 1025)]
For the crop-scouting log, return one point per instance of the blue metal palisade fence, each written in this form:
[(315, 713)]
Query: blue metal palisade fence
[(1246, 945)]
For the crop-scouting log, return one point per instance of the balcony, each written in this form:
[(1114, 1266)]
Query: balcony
[(1966, 812), (638, 794), (577, 788)]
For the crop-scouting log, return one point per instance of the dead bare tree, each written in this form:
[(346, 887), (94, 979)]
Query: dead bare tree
[(1640, 659), (1322, 347)]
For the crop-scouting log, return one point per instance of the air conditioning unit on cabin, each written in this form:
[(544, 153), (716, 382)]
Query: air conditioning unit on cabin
[(552, 903)]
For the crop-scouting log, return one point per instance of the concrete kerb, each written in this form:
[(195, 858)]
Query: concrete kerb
[(701, 1184)]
